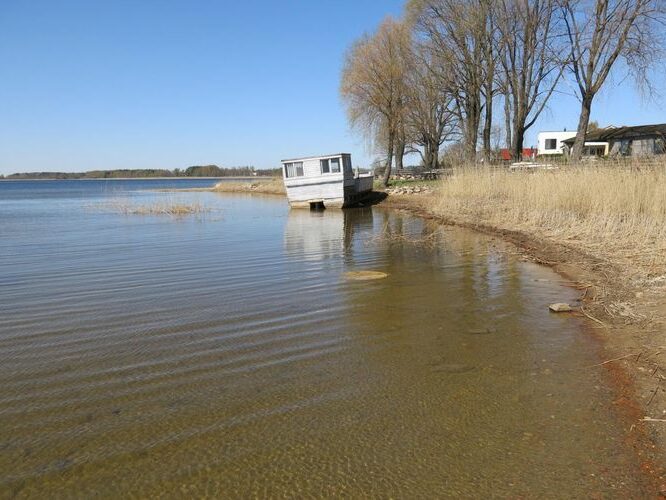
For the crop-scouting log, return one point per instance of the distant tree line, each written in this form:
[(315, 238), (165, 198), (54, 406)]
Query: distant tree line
[(193, 171), (434, 80)]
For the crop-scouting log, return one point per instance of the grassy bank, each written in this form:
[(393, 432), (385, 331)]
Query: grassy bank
[(273, 186), (616, 214)]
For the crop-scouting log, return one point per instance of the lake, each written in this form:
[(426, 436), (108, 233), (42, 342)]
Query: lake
[(228, 354)]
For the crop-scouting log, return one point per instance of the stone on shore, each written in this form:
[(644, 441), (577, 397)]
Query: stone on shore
[(560, 307)]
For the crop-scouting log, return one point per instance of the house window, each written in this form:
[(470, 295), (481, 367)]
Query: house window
[(551, 144), (625, 147), (293, 169), (325, 169), (335, 165)]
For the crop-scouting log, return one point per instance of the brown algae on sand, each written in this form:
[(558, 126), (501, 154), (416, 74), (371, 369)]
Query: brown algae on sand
[(365, 275)]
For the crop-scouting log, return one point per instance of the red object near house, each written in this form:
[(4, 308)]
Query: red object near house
[(528, 154)]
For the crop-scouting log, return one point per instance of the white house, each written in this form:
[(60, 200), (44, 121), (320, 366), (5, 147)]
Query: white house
[(327, 181), (552, 143)]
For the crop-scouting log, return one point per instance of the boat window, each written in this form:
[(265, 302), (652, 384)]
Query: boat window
[(324, 166), (551, 144), (293, 169), (335, 165)]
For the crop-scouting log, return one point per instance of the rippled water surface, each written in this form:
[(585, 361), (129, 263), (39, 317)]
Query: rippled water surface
[(226, 354)]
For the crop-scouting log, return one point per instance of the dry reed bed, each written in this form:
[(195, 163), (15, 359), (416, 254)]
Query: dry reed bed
[(616, 214), (168, 207), (269, 186)]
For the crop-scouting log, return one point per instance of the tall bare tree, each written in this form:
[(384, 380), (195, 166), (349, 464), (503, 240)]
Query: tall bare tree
[(429, 116), (507, 115), (530, 61), (457, 30), (400, 143), (601, 32), (490, 81), (373, 86)]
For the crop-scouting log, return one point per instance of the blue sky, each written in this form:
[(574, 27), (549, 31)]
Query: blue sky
[(164, 84)]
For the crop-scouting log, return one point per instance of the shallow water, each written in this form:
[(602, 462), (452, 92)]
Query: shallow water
[(228, 354)]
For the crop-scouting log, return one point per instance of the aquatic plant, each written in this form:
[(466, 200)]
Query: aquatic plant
[(169, 207)]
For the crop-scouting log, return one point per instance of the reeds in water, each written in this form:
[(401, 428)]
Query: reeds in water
[(168, 207)]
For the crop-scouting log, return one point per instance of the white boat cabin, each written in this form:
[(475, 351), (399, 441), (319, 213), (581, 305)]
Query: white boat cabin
[(324, 181)]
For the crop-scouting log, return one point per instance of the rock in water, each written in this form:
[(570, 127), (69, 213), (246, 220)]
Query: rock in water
[(560, 307), (365, 275)]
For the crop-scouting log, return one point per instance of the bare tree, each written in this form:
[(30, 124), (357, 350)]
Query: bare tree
[(599, 32), (507, 115), (400, 143), (490, 83), (373, 86), (530, 61), (457, 30), (429, 116)]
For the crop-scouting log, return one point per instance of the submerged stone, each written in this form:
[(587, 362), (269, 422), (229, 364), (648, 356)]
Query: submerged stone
[(453, 368), (560, 307), (365, 275), (481, 331)]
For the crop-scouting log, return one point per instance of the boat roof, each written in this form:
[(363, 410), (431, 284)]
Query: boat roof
[(334, 155)]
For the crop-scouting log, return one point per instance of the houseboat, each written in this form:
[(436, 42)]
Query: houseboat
[(324, 182)]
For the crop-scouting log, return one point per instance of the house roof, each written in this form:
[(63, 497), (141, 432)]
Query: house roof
[(610, 133)]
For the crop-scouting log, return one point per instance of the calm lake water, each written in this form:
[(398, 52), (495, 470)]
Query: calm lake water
[(226, 354)]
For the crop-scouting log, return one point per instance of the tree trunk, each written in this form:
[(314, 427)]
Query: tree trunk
[(399, 153), (389, 161), (518, 142), (583, 122), (488, 125), (427, 156), (471, 135), (434, 158), (507, 120), (430, 161)]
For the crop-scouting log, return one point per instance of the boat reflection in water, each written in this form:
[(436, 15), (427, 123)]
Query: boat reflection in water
[(315, 235)]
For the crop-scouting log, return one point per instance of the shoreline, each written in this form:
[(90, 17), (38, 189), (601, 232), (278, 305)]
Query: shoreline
[(630, 346), (241, 178), (627, 352)]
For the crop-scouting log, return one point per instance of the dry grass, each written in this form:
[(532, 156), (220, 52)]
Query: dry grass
[(617, 214), (269, 186), (167, 207)]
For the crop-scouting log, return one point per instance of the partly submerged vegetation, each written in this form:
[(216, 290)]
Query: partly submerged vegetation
[(167, 207), (273, 185)]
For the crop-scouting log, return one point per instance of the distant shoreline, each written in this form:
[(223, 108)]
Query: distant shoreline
[(140, 178)]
